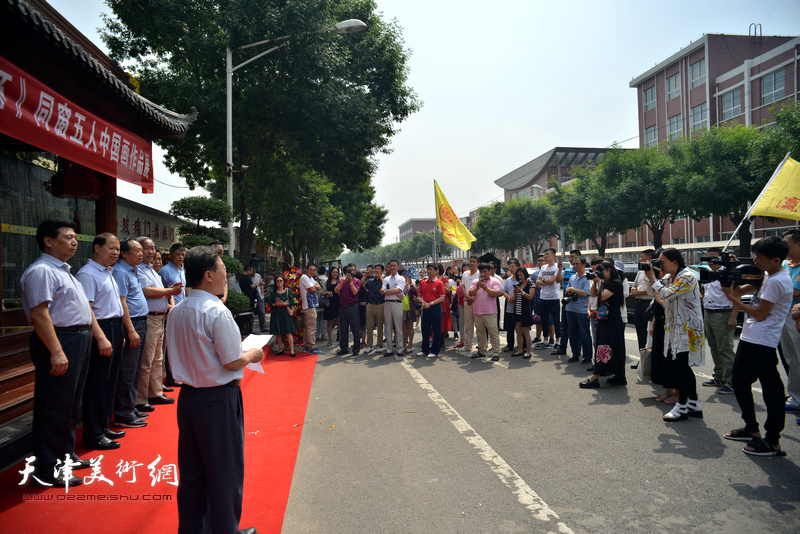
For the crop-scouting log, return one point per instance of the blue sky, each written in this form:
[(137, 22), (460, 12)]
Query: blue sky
[(503, 82)]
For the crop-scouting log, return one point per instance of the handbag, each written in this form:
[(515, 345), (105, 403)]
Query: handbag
[(324, 302), (536, 318), (644, 370), (406, 304)]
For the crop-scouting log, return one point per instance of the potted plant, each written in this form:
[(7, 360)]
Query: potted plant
[(242, 310)]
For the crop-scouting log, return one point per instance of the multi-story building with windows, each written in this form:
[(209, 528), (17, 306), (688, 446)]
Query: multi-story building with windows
[(717, 80)]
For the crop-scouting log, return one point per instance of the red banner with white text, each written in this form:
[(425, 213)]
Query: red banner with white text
[(35, 114)]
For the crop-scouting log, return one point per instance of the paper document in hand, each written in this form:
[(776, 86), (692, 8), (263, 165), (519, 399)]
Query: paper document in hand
[(255, 342)]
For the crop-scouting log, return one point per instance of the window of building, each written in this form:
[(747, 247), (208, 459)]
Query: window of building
[(772, 233), (674, 86), (699, 117), (678, 240), (674, 128), (702, 238), (630, 243), (773, 87), (731, 104), (698, 72), (650, 136), (650, 98)]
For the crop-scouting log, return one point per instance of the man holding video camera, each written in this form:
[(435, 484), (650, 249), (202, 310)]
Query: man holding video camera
[(719, 316)]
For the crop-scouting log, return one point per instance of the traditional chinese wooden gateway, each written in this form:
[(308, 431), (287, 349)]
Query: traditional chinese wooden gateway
[(71, 125)]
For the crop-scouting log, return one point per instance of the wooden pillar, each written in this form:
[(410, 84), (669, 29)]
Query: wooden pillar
[(106, 206)]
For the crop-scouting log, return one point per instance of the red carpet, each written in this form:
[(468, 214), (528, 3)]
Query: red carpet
[(274, 406)]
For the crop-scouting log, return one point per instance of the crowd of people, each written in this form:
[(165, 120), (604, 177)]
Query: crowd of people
[(675, 317), (125, 330)]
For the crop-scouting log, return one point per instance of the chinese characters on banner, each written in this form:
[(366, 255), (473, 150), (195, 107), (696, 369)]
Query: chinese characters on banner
[(34, 113)]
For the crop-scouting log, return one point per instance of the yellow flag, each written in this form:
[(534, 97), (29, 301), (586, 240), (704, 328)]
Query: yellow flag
[(781, 196), (453, 230)]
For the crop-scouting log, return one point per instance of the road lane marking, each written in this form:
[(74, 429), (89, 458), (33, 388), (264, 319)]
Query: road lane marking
[(523, 492)]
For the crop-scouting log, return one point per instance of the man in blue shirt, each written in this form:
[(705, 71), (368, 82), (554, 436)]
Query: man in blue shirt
[(63, 324), (134, 322), (98, 283), (173, 272), (580, 337)]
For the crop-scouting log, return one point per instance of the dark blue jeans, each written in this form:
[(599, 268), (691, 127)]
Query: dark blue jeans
[(549, 309), (580, 337), (431, 319)]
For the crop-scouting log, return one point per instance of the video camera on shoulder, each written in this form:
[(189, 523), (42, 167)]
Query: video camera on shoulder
[(647, 265), (737, 271)]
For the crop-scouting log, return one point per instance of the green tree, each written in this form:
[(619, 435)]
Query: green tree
[(530, 223), (583, 207), (718, 178), (493, 229), (201, 209), (325, 102), (642, 182)]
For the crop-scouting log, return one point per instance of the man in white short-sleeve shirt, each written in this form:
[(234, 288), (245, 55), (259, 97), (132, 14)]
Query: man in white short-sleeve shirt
[(310, 301), (756, 358)]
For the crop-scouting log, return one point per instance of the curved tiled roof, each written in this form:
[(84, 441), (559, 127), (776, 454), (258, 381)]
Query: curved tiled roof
[(28, 24)]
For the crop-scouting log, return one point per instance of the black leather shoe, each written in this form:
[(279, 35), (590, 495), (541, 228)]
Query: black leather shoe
[(573, 359), (589, 384), (104, 444), (82, 464), (115, 434), (248, 530), (142, 415), (163, 399), (145, 407), (167, 389)]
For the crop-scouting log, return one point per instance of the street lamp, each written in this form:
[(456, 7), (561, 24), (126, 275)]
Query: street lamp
[(346, 26)]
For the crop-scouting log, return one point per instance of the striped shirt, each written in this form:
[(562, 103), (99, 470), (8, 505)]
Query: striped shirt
[(129, 287), (48, 279), (201, 338), (101, 290)]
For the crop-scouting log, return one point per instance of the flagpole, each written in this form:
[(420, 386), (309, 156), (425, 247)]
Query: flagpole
[(754, 204)]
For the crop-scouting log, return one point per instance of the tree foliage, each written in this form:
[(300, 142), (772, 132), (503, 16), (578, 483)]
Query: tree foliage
[(516, 224), (201, 209), (318, 109)]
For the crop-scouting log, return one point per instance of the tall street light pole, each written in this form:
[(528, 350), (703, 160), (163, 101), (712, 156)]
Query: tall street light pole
[(347, 26)]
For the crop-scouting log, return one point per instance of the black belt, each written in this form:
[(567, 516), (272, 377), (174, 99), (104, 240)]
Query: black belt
[(76, 328), (393, 301), (157, 313), (375, 303), (232, 384), (348, 305), (139, 318), (110, 320), (718, 310)]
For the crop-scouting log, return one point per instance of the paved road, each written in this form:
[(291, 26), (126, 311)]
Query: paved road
[(462, 445)]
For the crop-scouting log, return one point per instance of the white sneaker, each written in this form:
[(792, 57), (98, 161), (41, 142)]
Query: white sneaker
[(420, 353), (367, 350), (431, 356), (378, 350)]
